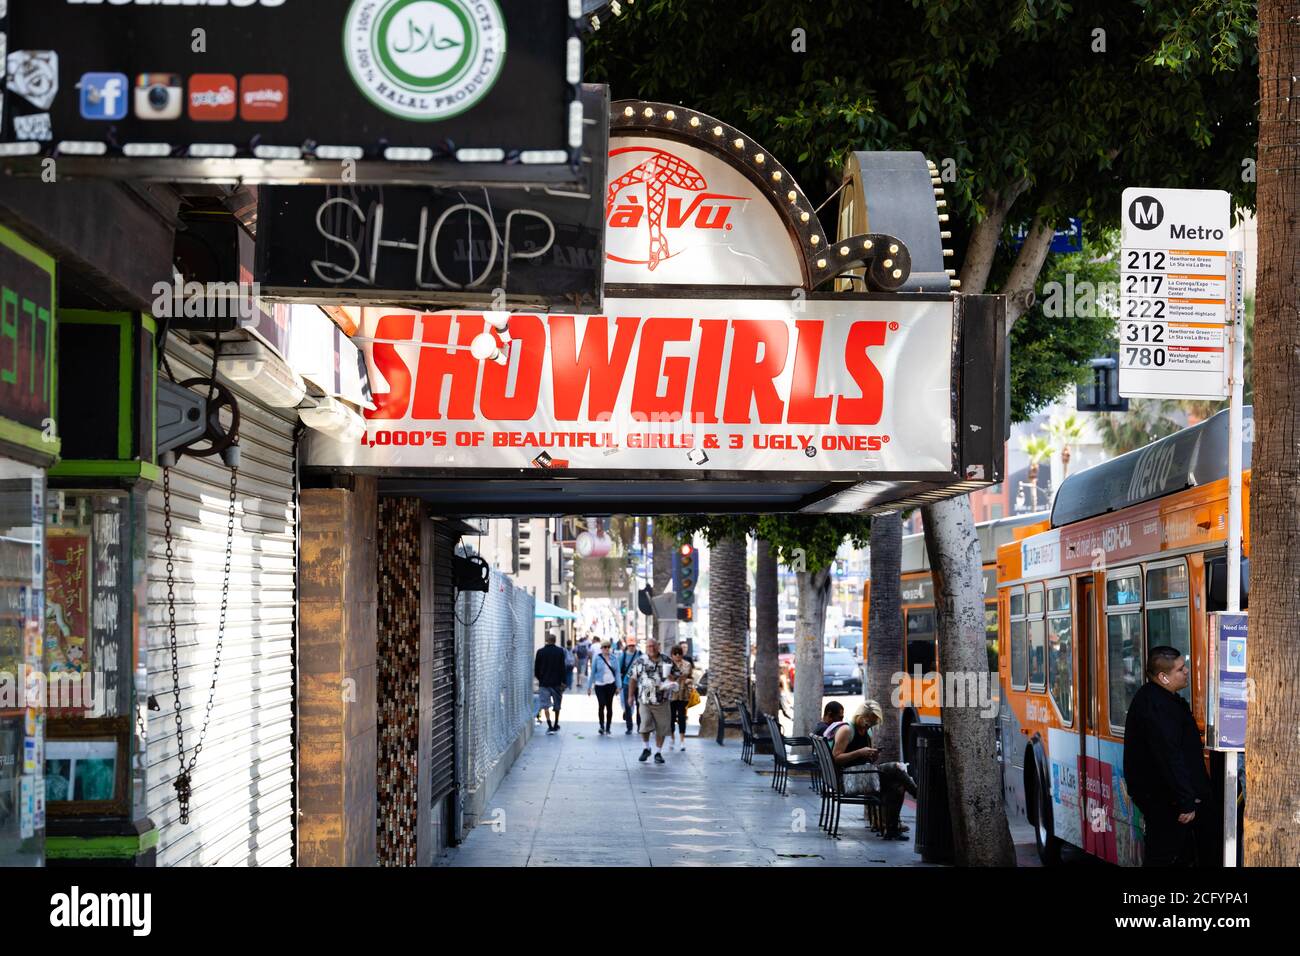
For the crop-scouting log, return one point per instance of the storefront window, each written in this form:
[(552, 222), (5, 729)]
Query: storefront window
[(22, 665), (89, 652)]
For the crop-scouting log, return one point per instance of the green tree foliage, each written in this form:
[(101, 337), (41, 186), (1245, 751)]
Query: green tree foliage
[(1072, 321), (1016, 93)]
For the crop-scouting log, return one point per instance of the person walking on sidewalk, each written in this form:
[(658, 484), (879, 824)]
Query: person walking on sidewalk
[(652, 683), (626, 659), (570, 664), (604, 681), (548, 668), (681, 699), (582, 652)]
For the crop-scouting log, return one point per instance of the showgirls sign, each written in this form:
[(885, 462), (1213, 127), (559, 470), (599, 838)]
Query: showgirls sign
[(714, 356), (696, 385)]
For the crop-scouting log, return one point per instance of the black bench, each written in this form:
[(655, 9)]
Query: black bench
[(833, 795), (756, 738), (723, 712), (782, 762)]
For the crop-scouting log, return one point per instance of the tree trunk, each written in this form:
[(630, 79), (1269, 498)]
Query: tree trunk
[(809, 653), (981, 836), (987, 234), (728, 626), (1019, 287), (885, 628), (1272, 826), (766, 666)]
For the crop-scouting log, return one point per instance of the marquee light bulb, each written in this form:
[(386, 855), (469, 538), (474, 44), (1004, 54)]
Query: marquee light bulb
[(484, 347)]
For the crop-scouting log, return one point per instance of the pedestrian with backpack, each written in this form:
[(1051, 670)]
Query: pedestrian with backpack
[(626, 659)]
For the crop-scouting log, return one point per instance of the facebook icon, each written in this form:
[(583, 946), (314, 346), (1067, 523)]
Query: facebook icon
[(103, 96)]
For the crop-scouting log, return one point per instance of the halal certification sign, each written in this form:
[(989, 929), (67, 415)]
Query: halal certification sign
[(425, 60)]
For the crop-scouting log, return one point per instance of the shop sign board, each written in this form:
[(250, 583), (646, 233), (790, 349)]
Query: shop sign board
[(754, 385), (263, 90), (27, 342)]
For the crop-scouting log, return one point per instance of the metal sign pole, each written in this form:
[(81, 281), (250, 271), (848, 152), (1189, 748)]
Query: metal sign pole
[(1234, 526)]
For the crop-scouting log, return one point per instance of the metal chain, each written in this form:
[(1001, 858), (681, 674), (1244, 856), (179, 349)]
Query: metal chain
[(183, 782)]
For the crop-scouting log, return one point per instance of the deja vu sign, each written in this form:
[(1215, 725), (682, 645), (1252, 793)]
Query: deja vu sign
[(756, 385)]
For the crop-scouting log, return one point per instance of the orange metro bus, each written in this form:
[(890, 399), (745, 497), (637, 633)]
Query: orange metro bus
[(1132, 558), (919, 697)]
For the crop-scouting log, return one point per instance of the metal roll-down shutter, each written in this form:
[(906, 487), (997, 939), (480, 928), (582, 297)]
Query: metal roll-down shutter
[(442, 761), (241, 813)]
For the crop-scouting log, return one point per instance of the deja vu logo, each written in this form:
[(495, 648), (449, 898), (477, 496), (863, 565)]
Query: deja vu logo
[(658, 206)]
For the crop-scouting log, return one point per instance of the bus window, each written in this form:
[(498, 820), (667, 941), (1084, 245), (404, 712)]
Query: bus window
[(1124, 588), (1060, 650), (1124, 656), (1037, 639), (1167, 623), (921, 651), (1019, 646), (991, 634)]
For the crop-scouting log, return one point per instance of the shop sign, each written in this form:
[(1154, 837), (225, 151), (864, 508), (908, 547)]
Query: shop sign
[(26, 335), (684, 385), (259, 87)]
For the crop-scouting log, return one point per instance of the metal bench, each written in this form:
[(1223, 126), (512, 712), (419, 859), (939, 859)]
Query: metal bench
[(833, 795), (782, 762), (723, 723), (756, 738)]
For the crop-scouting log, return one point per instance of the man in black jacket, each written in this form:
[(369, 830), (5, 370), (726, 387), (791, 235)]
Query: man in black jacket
[(1164, 761), (549, 669)]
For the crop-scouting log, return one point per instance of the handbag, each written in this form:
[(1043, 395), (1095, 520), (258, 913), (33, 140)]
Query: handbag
[(695, 699)]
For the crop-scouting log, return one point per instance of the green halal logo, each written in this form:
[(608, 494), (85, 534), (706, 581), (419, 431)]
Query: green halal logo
[(425, 60)]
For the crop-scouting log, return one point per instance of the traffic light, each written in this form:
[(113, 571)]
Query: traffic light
[(685, 574), (686, 614)]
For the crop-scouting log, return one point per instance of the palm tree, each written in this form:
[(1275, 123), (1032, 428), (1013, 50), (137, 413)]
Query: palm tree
[(1064, 432), (728, 623), (1038, 448), (1146, 420), (885, 627), (767, 682)]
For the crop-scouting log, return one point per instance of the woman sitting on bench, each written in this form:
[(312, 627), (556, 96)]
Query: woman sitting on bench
[(851, 747)]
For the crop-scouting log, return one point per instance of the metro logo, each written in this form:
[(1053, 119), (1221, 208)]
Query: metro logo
[(666, 215), (769, 377)]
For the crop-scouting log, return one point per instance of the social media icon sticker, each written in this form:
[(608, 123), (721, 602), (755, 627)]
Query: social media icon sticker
[(159, 96), (264, 98), (213, 97), (104, 96)]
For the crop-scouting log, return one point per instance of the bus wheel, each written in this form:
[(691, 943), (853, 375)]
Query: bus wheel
[(1040, 816)]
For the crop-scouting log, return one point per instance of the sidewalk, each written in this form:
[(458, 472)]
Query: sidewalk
[(580, 799)]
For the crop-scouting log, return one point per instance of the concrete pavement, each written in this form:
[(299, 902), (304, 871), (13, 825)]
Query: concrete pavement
[(580, 799)]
